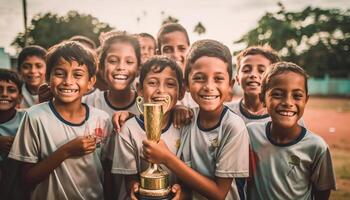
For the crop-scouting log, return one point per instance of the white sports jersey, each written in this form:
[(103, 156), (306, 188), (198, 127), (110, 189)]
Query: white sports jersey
[(237, 108), (98, 99), (28, 99), (42, 132), (128, 157), (288, 171), (222, 151)]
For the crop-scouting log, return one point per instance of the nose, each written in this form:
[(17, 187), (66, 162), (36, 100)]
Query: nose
[(288, 101), (4, 92), (68, 79), (121, 66), (209, 85)]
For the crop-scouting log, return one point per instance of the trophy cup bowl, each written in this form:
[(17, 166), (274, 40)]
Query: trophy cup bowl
[(154, 182)]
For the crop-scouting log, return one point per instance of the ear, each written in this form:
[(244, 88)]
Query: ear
[(91, 82), (307, 99), (232, 83), (139, 90), (237, 79)]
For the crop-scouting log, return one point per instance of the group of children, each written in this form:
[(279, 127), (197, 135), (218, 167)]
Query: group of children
[(213, 148)]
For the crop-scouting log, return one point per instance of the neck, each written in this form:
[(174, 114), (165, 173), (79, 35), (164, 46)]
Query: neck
[(253, 105), (282, 135), (73, 112), (210, 119), (121, 98), (7, 115), (33, 90)]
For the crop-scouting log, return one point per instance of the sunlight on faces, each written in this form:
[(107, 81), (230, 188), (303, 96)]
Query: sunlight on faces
[(147, 47), (9, 95), (33, 71), (209, 83), (120, 67), (175, 46), (250, 74), (286, 99), (70, 81), (157, 86)]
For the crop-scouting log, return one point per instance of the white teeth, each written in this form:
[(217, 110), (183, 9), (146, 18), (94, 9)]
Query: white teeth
[(68, 90), (253, 84), (209, 97), (4, 101), (120, 77), (286, 113)]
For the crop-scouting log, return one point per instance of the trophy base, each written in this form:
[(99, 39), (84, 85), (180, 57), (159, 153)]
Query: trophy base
[(166, 197)]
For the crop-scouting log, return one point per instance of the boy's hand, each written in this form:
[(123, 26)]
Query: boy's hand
[(155, 152), (176, 189), (182, 116), (81, 146), (134, 189), (119, 118), (6, 143), (44, 93)]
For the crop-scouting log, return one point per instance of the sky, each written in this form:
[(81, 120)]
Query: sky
[(224, 20)]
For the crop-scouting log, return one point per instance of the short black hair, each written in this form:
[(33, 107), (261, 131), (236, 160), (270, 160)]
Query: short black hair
[(9, 75), (147, 35), (169, 28), (83, 39), (277, 69), (210, 48), (118, 37), (32, 50), (157, 64), (71, 51)]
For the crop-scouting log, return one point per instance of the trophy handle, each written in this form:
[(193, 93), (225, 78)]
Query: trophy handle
[(139, 100), (167, 101)]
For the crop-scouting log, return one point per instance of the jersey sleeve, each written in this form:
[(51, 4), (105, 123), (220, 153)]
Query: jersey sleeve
[(233, 155), (125, 153), (26, 146), (322, 176)]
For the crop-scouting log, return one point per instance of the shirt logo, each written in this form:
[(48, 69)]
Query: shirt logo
[(294, 162)]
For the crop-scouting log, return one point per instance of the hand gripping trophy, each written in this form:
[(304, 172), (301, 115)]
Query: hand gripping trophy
[(155, 180)]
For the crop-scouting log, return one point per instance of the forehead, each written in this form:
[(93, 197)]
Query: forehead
[(209, 65), (174, 38), (288, 81), (33, 59), (146, 41), (165, 74), (121, 47), (255, 59), (6, 83), (64, 64)]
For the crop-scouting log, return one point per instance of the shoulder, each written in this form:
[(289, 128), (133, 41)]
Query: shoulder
[(233, 121), (38, 110), (233, 105), (315, 141), (96, 111)]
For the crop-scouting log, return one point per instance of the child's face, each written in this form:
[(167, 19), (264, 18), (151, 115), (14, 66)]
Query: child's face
[(250, 74), (209, 83), (148, 48), (286, 99), (120, 66), (175, 45), (70, 81), (33, 71), (9, 95), (157, 86)]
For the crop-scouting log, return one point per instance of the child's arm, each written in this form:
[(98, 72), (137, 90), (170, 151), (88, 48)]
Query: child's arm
[(182, 116), (322, 195), (119, 118), (6, 143), (211, 189), (33, 174)]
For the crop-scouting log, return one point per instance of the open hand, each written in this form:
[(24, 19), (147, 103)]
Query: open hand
[(81, 145), (119, 118)]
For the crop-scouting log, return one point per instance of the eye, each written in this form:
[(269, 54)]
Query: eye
[(246, 69), (152, 83), (39, 65), (171, 84), (59, 73), (219, 78), (130, 62), (298, 96), (183, 48), (276, 94), (12, 90), (198, 78), (78, 75), (167, 49)]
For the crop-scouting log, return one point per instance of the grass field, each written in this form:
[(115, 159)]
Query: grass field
[(330, 118)]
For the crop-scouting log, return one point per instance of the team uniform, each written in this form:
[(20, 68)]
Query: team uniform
[(28, 99), (128, 158), (288, 171), (221, 151), (9, 187), (42, 132), (237, 108), (98, 99)]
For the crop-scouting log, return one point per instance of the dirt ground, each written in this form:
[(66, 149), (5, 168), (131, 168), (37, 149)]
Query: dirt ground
[(330, 118)]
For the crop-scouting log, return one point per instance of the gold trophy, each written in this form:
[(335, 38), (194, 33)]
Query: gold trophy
[(154, 182)]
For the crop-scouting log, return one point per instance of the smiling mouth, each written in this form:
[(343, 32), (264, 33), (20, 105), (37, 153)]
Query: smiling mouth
[(32, 78), (253, 84), (286, 113), (120, 77), (209, 97), (68, 91), (4, 101)]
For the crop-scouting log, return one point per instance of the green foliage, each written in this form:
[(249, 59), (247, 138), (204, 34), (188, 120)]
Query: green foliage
[(170, 19), (316, 39), (49, 29), (199, 29)]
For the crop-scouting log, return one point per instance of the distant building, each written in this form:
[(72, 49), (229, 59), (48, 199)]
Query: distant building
[(5, 59)]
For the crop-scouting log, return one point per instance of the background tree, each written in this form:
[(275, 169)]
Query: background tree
[(199, 29), (49, 29), (316, 39)]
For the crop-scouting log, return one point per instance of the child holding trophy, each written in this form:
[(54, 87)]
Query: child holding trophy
[(160, 84), (213, 157)]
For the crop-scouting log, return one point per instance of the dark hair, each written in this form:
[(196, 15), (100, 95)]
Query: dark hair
[(9, 75), (147, 35), (118, 37), (277, 69), (83, 39), (157, 64), (33, 50), (210, 48), (265, 51), (71, 51), (169, 28)]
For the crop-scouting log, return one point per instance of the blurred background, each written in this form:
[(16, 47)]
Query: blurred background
[(315, 34)]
